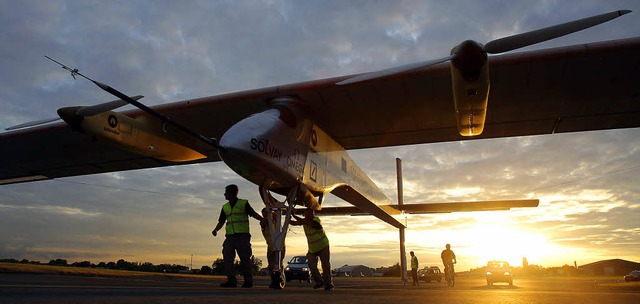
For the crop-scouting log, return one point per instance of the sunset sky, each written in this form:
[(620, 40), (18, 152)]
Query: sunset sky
[(587, 183)]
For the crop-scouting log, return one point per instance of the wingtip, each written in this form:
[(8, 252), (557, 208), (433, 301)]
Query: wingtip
[(622, 12)]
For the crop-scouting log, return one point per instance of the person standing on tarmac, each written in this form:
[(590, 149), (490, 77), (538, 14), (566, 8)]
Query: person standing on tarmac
[(236, 214), (318, 248), (414, 269)]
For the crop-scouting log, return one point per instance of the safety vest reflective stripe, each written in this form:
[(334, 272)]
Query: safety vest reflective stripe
[(237, 218), (316, 238)]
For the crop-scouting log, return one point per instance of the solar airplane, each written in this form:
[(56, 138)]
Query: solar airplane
[(292, 139)]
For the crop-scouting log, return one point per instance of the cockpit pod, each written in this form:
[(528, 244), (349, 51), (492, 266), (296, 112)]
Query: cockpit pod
[(270, 148)]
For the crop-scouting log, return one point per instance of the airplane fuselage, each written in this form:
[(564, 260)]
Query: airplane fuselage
[(281, 148)]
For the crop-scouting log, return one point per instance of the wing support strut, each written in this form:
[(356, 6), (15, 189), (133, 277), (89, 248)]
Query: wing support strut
[(210, 141), (403, 250)]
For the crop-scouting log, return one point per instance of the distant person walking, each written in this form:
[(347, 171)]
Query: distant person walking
[(414, 268), (318, 248), (236, 214), (448, 259)]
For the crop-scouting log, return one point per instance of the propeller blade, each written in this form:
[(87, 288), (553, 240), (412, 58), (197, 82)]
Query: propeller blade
[(394, 70), (32, 123), (525, 39), (104, 107)]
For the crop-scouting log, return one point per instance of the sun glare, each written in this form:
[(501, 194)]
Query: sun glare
[(485, 242), (494, 237)]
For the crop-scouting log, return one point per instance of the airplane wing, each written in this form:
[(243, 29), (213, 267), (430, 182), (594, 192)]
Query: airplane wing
[(569, 89), (426, 208)]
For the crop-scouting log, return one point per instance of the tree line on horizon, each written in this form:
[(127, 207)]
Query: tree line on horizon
[(217, 268)]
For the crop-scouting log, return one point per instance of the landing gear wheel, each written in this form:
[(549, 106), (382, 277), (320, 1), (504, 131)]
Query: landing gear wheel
[(278, 280)]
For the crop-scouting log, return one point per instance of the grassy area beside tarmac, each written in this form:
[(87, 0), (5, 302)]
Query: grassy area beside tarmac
[(81, 271)]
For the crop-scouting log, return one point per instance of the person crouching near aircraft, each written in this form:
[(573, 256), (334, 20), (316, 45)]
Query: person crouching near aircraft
[(271, 253), (236, 214), (318, 248)]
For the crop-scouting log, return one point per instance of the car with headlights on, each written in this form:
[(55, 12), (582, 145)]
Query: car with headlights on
[(297, 269), (499, 271)]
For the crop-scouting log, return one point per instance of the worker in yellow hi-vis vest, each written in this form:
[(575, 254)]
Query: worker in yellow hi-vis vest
[(414, 268), (318, 248), (236, 214)]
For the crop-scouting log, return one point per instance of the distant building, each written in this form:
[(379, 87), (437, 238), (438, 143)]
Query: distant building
[(613, 267), (379, 272), (353, 271)]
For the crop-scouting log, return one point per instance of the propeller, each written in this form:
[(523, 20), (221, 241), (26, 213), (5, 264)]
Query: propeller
[(394, 70), (500, 45), (82, 112)]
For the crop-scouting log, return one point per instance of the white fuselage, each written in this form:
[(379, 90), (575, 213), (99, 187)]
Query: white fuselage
[(281, 148)]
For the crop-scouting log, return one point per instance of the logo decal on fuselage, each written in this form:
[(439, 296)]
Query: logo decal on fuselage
[(313, 175), (265, 148), (112, 121), (314, 138), (296, 161)]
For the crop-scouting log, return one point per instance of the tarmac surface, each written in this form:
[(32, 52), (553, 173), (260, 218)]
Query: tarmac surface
[(38, 288)]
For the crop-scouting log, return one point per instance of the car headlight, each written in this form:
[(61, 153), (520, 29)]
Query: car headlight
[(287, 269), (507, 273), (488, 272), (305, 269)]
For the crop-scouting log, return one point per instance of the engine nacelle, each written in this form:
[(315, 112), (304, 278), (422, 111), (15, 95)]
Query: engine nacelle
[(139, 135), (470, 83)]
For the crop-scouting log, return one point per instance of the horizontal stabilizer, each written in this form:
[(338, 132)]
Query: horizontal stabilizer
[(365, 206), (437, 207)]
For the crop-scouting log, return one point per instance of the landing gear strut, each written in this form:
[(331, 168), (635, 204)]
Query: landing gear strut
[(278, 228)]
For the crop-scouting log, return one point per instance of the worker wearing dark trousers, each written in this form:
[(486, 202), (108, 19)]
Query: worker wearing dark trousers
[(236, 214)]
